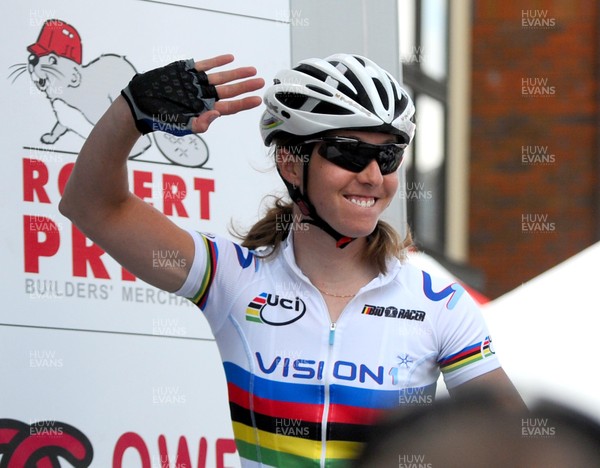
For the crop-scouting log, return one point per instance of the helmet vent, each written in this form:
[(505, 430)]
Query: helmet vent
[(361, 96), (319, 90), (400, 106), (330, 109), (382, 93), (342, 88), (312, 71), (293, 100)]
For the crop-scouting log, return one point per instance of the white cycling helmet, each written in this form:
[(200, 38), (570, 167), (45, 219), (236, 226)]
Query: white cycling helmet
[(342, 91)]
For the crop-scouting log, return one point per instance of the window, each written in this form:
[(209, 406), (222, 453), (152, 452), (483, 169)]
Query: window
[(424, 55)]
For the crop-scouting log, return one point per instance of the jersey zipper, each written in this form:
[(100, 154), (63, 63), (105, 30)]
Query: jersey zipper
[(331, 333)]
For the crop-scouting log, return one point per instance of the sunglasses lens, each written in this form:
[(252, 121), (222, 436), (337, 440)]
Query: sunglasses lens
[(343, 154), (390, 158), (354, 155)]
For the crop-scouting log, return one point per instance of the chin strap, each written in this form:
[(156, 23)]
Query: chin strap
[(301, 199)]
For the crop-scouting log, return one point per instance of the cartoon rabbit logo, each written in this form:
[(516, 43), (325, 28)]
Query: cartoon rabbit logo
[(79, 94)]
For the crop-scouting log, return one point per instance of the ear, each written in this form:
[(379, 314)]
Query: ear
[(290, 166), (75, 78)]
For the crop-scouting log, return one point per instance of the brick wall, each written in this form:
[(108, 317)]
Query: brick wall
[(534, 141)]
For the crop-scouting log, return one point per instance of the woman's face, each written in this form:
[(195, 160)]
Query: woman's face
[(351, 202)]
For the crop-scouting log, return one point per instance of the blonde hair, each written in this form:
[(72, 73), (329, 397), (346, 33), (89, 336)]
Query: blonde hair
[(382, 244)]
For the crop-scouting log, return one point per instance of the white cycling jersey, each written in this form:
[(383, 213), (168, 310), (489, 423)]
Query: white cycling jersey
[(303, 390)]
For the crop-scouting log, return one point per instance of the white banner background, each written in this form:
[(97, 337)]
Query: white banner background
[(78, 343)]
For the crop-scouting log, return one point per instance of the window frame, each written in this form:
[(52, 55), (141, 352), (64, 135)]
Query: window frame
[(420, 83)]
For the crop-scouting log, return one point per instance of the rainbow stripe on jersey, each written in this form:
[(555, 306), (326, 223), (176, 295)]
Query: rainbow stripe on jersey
[(253, 309), (280, 423), (212, 252), (466, 356)]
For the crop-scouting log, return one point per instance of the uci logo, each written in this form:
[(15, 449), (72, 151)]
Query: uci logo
[(274, 310)]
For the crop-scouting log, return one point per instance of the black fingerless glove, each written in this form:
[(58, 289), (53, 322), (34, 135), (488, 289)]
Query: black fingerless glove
[(168, 98)]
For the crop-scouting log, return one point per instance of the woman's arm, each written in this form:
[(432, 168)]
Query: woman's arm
[(495, 381), (97, 197)]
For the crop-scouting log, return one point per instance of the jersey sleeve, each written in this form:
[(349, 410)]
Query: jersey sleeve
[(218, 268), (465, 345)]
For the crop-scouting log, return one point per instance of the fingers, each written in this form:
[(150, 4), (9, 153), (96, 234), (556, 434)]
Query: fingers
[(235, 89), (227, 89), (223, 79), (237, 105), (219, 78), (201, 123), (218, 61)]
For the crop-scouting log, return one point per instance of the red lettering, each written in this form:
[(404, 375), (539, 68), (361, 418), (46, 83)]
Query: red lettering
[(35, 247), (134, 441), (182, 458), (183, 454), (140, 179), (126, 275), (35, 176), (174, 192), (63, 176), (205, 187), (224, 446), (84, 254)]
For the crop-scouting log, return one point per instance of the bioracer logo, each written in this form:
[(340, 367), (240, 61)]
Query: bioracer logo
[(275, 310), (393, 312)]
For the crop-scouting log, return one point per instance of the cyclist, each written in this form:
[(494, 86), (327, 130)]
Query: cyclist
[(320, 322)]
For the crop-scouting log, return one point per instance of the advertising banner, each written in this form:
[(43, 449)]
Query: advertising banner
[(98, 366)]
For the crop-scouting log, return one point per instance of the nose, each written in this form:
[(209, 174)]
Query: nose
[(371, 174), (33, 59)]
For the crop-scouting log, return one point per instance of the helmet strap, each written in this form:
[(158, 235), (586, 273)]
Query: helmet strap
[(300, 198)]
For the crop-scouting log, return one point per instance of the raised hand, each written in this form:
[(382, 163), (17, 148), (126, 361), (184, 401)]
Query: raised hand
[(181, 98), (227, 88)]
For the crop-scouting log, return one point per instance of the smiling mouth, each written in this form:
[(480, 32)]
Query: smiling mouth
[(363, 202)]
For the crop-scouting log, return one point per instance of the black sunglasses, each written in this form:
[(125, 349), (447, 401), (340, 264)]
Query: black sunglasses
[(354, 155)]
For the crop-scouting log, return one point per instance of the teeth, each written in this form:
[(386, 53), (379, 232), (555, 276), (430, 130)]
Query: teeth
[(363, 203)]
